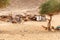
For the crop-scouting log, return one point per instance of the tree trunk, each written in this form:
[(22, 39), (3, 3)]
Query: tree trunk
[(49, 23)]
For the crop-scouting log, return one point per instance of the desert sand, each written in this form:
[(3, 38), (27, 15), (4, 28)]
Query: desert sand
[(30, 30)]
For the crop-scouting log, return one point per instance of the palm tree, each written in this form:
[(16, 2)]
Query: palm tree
[(3, 3), (50, 8)]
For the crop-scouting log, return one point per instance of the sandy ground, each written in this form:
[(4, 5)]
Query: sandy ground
[(26, 31)]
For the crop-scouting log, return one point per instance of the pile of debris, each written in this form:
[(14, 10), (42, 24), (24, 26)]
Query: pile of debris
[(19, 18)]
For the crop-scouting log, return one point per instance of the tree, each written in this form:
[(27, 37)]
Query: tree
[(50, 8), (3, 3)]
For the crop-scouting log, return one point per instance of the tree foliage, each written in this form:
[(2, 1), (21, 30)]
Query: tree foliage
[(4, 3), (50, 7)]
